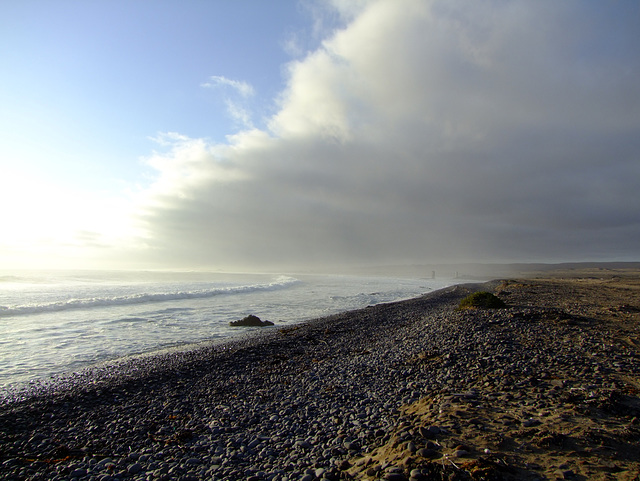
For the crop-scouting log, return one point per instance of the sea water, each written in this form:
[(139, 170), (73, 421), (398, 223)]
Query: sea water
[(55, 323)]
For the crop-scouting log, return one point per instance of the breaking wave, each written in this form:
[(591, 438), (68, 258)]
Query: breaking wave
[(281, 282)]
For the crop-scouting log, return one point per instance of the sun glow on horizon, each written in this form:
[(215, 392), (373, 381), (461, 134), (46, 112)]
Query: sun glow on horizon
[(45, 224)]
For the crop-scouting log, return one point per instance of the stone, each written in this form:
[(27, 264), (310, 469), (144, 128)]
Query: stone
[(250, 321), (528, 423), (460, 453), (303, 444), (427, 453), (351, 446), (395, 477)]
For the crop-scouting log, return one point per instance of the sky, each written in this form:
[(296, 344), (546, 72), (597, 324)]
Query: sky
[(318, 134)]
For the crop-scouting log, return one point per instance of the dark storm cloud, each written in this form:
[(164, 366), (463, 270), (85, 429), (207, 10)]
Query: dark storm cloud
[(426, 131)]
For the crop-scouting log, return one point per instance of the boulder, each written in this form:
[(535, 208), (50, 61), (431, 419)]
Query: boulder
[(251, 321)]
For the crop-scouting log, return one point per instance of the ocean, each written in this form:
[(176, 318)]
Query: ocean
[(57, 323)]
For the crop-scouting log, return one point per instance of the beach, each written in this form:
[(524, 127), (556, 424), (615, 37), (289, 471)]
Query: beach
[(547, 388)]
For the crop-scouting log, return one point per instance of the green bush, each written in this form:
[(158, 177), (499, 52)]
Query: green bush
[(482, 300)]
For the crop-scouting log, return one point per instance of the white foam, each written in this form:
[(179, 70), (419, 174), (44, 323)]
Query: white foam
[(280, 282)]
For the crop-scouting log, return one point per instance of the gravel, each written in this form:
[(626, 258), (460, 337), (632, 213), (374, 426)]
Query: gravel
[(306, 402)]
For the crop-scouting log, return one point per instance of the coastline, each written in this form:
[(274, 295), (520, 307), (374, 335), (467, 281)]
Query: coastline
[(55, 324), (360, 394)]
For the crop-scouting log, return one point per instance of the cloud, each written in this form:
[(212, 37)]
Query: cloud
[(422, 132), (235, 107), (243, 88)]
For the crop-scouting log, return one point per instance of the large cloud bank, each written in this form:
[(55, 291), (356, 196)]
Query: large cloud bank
[(424, 131)]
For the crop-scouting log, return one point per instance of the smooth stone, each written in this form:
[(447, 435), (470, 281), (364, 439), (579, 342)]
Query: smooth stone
[(427, 453), (434, 430), (395, 477), (528, 423), (303, 444)]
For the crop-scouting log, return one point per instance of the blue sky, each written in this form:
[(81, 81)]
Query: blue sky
[(86, 84), (319, 133)]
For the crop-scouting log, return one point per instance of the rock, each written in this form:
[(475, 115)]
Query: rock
[(351, 446), (395, 477), (460, 453), (427, 453), (430, 431), (303, 444), (250, 321), (528, 423)]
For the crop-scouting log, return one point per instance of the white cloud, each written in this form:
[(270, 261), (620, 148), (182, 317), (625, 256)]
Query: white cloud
[(235, 107), (243, 88), (423, 131), (185, 165), (239, 114)]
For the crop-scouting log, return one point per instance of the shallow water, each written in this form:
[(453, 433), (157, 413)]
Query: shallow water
[(58, 322)]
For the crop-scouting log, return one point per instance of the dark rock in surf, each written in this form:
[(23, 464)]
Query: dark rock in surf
[(251, 321)]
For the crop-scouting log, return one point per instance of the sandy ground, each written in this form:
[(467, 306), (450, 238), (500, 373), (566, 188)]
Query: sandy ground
[(580, 423)]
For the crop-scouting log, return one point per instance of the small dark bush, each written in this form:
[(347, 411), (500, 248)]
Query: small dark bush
[(482, 300)]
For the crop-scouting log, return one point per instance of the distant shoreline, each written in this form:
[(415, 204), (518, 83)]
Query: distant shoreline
[(477, 270)]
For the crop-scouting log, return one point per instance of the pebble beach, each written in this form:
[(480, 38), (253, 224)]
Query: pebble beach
[(546, 388)]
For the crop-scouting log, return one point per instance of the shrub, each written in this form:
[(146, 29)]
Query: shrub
[(481, 300)]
